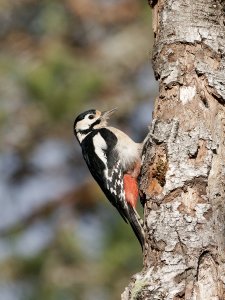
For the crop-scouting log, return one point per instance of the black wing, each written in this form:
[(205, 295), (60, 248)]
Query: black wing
[(106, 168), (114, 188), (115, 193)]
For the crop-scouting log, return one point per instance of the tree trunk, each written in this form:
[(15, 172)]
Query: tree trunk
[(183, 171)]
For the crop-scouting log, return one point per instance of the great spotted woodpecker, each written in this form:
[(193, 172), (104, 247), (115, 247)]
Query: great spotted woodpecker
[(113, 159)]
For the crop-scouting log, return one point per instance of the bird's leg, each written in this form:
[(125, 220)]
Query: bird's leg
[(131, 184), (136, 170)]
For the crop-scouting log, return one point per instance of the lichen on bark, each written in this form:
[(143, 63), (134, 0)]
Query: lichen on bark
[(182, 181)]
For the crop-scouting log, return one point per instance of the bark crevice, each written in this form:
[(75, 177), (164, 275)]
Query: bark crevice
[(183, 171)]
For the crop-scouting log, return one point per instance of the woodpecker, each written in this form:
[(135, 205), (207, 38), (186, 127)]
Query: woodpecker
[(113, 159)]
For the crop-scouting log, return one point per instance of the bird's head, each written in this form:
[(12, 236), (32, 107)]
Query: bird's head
[(90, 120)]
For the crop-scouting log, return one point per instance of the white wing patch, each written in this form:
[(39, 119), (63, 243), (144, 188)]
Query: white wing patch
[(100, 145), (114, 176)]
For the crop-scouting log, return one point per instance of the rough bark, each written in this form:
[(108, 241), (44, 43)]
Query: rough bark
[(183, 170)]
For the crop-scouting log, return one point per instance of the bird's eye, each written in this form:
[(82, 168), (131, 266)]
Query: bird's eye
[(91, 117)]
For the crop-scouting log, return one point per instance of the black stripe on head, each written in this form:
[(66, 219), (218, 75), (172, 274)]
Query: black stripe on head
[(86, 131), (82, 116), (95, 123)]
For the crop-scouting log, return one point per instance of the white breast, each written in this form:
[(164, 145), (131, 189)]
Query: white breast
[(129, 151), (99, 146)]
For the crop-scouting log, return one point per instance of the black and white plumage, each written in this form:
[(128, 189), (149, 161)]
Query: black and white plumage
[(109, 154)]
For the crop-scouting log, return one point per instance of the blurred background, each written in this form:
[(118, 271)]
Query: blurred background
[(59, 237)]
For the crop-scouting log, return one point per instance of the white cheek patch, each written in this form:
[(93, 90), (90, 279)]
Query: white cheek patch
[(85, 124), (82, 125), (100, 145)]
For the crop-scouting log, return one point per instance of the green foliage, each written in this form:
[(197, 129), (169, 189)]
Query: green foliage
[(52, 19), (62, 271), (28, 267), (61, 82), (66, 248), (49, 72), (123, 255)]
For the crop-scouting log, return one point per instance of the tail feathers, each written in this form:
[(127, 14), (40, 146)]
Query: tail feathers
[(136, 224)]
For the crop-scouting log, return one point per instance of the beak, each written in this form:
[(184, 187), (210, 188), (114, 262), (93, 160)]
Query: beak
[(106, 114)]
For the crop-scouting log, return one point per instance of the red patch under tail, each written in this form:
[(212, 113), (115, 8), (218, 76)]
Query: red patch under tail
[(131, 189)]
